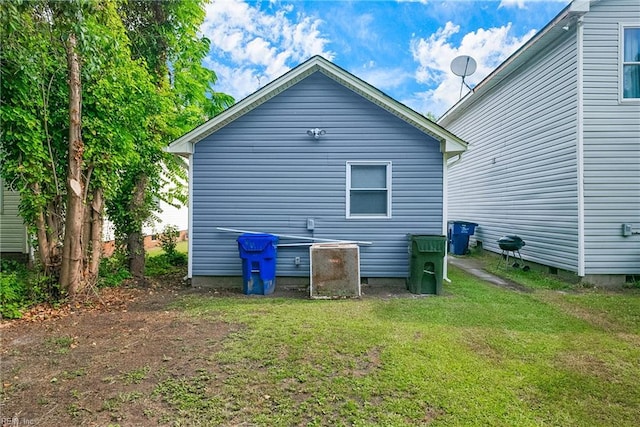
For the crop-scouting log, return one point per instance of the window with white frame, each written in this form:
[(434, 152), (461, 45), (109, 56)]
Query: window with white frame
[(368, 190), (631, 63)]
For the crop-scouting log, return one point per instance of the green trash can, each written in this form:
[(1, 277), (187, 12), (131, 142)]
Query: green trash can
[(426, 263)]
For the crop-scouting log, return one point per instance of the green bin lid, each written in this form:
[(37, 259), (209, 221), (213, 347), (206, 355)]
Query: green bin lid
[(425, 243)]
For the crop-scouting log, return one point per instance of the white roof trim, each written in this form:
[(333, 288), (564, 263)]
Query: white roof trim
[(450, 143)]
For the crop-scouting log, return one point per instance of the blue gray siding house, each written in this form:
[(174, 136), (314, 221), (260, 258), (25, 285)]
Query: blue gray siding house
[(554, 145), (376, 174)]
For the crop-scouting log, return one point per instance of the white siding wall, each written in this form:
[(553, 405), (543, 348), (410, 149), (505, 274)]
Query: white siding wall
[(170, 215), (13, 235), (611, 145), (519, 175)]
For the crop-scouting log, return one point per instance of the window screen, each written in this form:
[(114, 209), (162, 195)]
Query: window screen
[(369, 189), (631, 63)]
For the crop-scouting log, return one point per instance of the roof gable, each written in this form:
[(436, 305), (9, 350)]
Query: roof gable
[(450, 143)]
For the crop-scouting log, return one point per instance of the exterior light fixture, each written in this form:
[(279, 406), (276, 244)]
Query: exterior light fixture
[(316, 133)]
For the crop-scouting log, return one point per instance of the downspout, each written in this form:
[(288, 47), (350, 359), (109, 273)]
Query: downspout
[(190, 215), (580, 145), (445, 210), (456, 161)]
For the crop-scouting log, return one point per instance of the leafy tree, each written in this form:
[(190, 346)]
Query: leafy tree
[(33, 122), (431, 116), (73, 104), (165, 36), (91, 92)]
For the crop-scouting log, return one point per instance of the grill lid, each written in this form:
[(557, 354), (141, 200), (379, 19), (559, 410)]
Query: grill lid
[(510, 243)]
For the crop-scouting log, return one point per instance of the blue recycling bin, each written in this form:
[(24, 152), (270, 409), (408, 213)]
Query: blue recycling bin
[(259, 255), (459, 232)]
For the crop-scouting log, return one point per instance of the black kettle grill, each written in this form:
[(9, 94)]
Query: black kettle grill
[(512, 245)]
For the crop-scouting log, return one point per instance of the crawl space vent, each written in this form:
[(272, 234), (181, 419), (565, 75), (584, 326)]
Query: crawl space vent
[(335, 270)]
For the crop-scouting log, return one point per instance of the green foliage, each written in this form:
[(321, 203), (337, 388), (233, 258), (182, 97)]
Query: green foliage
[(143, 85), (431, 116), (12, 294), (117, 96), (165, 37), (169, 242), (21, 288), (160, 265), (179, 259), (634, 283), (169, 239), (32, 106), (113, 271), (135, 376)]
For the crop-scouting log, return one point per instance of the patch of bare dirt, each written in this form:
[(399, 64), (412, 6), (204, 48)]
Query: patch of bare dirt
[(98, 363)]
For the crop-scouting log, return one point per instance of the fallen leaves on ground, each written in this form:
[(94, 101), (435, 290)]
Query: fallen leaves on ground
[(95, 300)]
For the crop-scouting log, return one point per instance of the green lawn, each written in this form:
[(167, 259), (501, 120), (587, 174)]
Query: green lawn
[(181, 246), (480, 355)]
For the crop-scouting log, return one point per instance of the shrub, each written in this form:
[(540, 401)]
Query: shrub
[(21, 287), (13, 288), (169, 241), (158, 265), (12, 295), (113, 271)]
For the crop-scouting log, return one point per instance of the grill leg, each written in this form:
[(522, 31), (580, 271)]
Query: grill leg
[(502, 255), (515, 258), (524, 267)]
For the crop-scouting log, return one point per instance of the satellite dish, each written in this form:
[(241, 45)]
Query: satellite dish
[(463, 66)]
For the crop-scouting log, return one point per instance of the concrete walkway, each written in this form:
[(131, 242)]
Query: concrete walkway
[(476, 268)]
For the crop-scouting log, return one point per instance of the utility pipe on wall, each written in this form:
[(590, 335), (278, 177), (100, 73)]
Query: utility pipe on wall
[(286, 236)]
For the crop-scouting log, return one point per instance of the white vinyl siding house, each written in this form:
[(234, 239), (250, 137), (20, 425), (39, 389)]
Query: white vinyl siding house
[(375, 174), (523, 170), (611, 141), (554, 146), (13, 232)]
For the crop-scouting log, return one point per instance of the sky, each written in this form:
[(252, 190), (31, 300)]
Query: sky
[(402, 47)]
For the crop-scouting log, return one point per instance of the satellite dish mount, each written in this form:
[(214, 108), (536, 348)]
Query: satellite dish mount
[(463, 66)]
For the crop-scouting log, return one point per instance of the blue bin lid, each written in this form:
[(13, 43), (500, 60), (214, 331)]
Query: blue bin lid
[(467, 223), (256, 242)]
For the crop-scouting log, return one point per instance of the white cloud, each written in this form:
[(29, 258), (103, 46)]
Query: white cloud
[(259, 46), (364, 26), (520, 4), (489, 47), (382, 78)]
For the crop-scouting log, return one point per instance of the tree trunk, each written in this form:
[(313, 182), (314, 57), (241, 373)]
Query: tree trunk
[(43, 242), (71, 274), (135, 240), (96, 223)]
